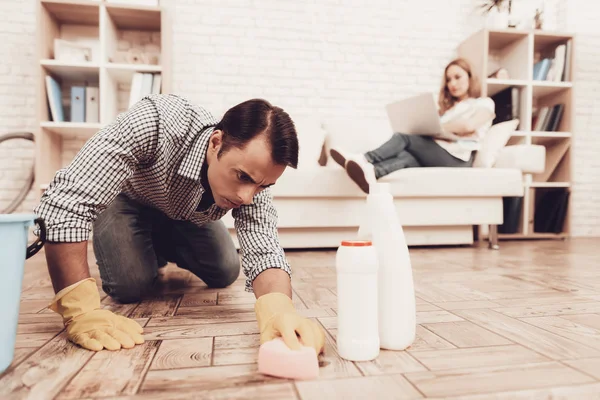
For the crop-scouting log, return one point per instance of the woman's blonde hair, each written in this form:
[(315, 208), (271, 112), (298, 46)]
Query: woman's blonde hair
[(446, 101)]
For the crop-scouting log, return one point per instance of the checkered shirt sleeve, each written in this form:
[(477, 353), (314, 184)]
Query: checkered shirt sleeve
[(83, 189)]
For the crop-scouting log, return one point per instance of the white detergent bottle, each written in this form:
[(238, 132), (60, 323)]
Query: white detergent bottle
[(357, 312), (397, 306)]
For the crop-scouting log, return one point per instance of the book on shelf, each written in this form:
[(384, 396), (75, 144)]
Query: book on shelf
[(551, 211), (547, 118), (556, 67), (142, 84), (83, 107), (54, 95), (507, 103)]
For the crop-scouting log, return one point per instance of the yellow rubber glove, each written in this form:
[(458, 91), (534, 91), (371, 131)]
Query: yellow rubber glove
[(277, 316), (90, 326)]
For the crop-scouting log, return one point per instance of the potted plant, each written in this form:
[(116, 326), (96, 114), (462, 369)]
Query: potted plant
[(497, 13)]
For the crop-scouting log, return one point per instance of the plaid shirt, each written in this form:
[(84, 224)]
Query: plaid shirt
[(154, 153)]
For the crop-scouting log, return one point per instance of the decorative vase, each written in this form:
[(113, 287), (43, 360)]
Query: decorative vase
[(496, 19)]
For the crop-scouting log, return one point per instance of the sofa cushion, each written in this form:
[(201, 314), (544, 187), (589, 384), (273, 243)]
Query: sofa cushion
[(311, 137), (332, 181), (493, 142)]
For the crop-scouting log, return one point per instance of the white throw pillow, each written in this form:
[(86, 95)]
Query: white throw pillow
[(493, 142), (311, 137)]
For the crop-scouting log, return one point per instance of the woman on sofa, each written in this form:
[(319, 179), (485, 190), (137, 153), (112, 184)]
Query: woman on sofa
[(459, 97)]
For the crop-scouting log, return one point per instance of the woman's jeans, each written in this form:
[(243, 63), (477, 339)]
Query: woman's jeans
[(410, 151)]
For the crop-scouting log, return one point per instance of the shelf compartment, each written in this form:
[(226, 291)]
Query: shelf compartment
[(72, 129), (501, 38), (495, 86), (74, 71), (507, 50), (135, 17), (123, 73), (75, 12), (545, 88)]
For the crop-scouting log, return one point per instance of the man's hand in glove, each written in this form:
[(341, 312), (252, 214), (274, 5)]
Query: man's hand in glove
[(90, 326), (277, 316)]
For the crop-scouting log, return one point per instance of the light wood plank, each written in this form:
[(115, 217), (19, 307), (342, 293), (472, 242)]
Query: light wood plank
[(236, 298), (473, 358), (567, 329), (466, 334), (271, 391), (587, 391), (33, 340), (197, 331), (183, 353), (198, 379), (46, 372), (591, 320), (590, 366), (199, 299), (122, 372), (390, 362), (427, 340), (237, 349), (164, 306), (331, 364), (542, 341), (497, 379), (317, 297), (550, 310), (372, 387), (425, 317), (466, 305)]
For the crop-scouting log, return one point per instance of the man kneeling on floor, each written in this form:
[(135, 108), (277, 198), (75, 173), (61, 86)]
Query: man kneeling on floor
[(154, 185)]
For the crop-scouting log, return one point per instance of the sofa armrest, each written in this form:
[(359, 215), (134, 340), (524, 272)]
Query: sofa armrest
[(529, 158)]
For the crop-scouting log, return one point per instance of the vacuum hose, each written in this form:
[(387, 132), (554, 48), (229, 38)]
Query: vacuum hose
[(29, 181)]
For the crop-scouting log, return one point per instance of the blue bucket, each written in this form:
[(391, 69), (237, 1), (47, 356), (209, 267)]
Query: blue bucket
[(14, 251)]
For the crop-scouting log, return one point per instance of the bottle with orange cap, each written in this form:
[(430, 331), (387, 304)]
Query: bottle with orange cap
[(357, 311)]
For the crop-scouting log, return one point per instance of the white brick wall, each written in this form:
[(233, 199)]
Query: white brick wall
[(323, 57), (17, 94), (582, 18)]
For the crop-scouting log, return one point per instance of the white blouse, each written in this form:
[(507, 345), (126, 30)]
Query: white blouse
[(463, 148)]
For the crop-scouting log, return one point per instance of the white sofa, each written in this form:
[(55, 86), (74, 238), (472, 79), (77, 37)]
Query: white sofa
[(318, 205)]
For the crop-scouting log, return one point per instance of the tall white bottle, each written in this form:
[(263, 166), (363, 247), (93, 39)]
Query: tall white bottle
[(357, 312), (397, 316)]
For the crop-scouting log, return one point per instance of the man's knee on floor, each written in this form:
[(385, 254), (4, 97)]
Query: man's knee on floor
[(229, 271), (129, 292)]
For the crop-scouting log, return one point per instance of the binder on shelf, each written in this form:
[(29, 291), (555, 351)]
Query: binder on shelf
[(54, 95), (78, 104), (551, 211), (92, 105), (142, 84)]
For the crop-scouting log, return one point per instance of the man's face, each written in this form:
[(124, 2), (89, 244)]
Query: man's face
[(239, 174)]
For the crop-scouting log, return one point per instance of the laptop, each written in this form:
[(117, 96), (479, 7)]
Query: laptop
[(417, 115)]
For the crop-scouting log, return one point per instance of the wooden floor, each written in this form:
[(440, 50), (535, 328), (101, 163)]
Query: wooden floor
[(519, 323)]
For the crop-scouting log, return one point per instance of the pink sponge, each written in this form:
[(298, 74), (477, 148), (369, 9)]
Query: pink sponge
[(276, 359)]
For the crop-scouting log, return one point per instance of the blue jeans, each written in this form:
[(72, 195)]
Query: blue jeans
[(411, 151), (131, 241)]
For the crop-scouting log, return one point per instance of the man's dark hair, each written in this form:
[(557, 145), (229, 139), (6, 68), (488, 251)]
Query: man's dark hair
[(245, 121)]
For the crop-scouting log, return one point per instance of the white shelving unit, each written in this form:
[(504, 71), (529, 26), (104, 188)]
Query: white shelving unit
[(97, 24), (517, 51)]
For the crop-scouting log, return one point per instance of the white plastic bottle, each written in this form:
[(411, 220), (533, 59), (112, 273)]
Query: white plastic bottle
[(357, 312), (397, 315)]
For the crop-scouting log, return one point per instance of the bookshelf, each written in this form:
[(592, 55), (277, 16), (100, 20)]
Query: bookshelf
[(118, 41), (535, 88)]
